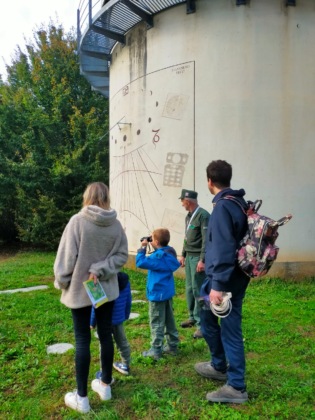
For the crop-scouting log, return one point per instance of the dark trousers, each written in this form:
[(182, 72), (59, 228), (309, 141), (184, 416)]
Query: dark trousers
[(225, 341), (82, 332)]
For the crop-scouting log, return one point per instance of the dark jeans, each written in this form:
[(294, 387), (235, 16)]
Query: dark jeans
[(225, 341), (82, 332)]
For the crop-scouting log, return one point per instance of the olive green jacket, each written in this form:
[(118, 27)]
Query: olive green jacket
[(195, 235)]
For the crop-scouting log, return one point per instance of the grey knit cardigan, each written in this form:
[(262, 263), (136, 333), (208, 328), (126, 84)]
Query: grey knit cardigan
[(92, 242)]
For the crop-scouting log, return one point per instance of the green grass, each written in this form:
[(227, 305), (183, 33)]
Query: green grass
[(278, 329)]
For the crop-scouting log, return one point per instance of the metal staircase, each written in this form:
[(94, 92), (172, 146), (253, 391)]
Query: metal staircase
[(103, 23)]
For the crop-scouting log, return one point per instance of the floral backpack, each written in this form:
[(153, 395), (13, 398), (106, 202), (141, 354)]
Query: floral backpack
[(257, 251)]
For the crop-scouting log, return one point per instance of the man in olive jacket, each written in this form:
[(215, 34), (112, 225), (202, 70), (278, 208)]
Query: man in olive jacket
[(193, 256)]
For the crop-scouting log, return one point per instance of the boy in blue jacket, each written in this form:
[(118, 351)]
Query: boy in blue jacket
[(160, 291), (121, 312)]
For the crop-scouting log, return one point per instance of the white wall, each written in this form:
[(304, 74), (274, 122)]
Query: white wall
[(233, 83)]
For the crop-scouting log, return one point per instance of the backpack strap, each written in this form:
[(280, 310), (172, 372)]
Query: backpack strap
[(253, 207)]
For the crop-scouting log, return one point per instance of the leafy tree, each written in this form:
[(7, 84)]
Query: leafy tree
[(53, 139)]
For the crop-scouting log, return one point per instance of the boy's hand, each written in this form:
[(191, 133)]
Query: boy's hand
[(144, 242)]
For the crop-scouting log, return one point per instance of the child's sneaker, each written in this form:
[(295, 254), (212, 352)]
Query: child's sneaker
[(121, 367), (152, 353), (74, 401), (170, 350), (104, 391)]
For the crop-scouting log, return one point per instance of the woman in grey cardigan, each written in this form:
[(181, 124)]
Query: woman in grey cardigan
[(93, 245)]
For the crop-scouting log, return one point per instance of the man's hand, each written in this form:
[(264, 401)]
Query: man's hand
[(200, 267), (215, 297), (182, 261)]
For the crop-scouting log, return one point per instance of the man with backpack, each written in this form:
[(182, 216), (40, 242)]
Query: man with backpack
[(227, 226)]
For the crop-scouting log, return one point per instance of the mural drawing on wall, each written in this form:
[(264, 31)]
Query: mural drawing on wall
[(149, 160)]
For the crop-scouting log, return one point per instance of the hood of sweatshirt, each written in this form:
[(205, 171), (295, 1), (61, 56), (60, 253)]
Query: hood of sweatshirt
[(169, 255), (99, 216), (123, 279), (238, 194)]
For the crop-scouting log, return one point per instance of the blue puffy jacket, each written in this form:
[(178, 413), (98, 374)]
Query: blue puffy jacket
[(227, 226), (161, 265), (122, 305)]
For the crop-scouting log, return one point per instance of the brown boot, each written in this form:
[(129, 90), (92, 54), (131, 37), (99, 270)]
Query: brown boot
[(188, 324), (198, 334)]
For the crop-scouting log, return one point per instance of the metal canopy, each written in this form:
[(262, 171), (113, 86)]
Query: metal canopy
[(101, 24)]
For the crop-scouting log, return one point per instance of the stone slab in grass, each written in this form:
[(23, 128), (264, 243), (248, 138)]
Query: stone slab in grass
[(59, 348), (133, 315), (139, 301), (24, 289)]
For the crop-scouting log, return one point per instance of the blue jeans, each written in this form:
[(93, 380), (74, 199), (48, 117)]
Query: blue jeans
[(82, 332), (225, 341)]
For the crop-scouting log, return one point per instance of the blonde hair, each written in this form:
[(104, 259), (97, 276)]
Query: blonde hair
[(97, 194), (162, 236)]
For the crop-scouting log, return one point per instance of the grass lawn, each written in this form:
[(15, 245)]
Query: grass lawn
[(278, 328)]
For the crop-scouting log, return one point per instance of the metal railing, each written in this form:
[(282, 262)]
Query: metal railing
[(85, 12), (103, 23)]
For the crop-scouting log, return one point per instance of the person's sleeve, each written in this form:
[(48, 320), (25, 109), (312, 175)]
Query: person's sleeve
[(128, 302), (114, 261), (183, 251), (66, 256), (148, 263), (203, 226), (140, 256), (224, 248)]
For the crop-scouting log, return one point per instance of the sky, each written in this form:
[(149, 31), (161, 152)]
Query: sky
[(19, 18)]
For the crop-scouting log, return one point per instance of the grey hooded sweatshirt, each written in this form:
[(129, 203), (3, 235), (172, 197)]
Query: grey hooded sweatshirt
[(92, 242)]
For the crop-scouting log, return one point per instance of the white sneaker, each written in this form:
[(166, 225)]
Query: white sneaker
[(104, 391), (80, 404)]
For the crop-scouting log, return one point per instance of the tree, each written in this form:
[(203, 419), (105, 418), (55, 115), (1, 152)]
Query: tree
[(53, 139)]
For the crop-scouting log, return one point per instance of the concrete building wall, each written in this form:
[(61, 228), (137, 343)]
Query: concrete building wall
[(227, 82)]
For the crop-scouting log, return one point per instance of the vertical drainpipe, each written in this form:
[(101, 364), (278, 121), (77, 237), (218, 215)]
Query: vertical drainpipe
[(78, 29), (194, 125), (90, 13)]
